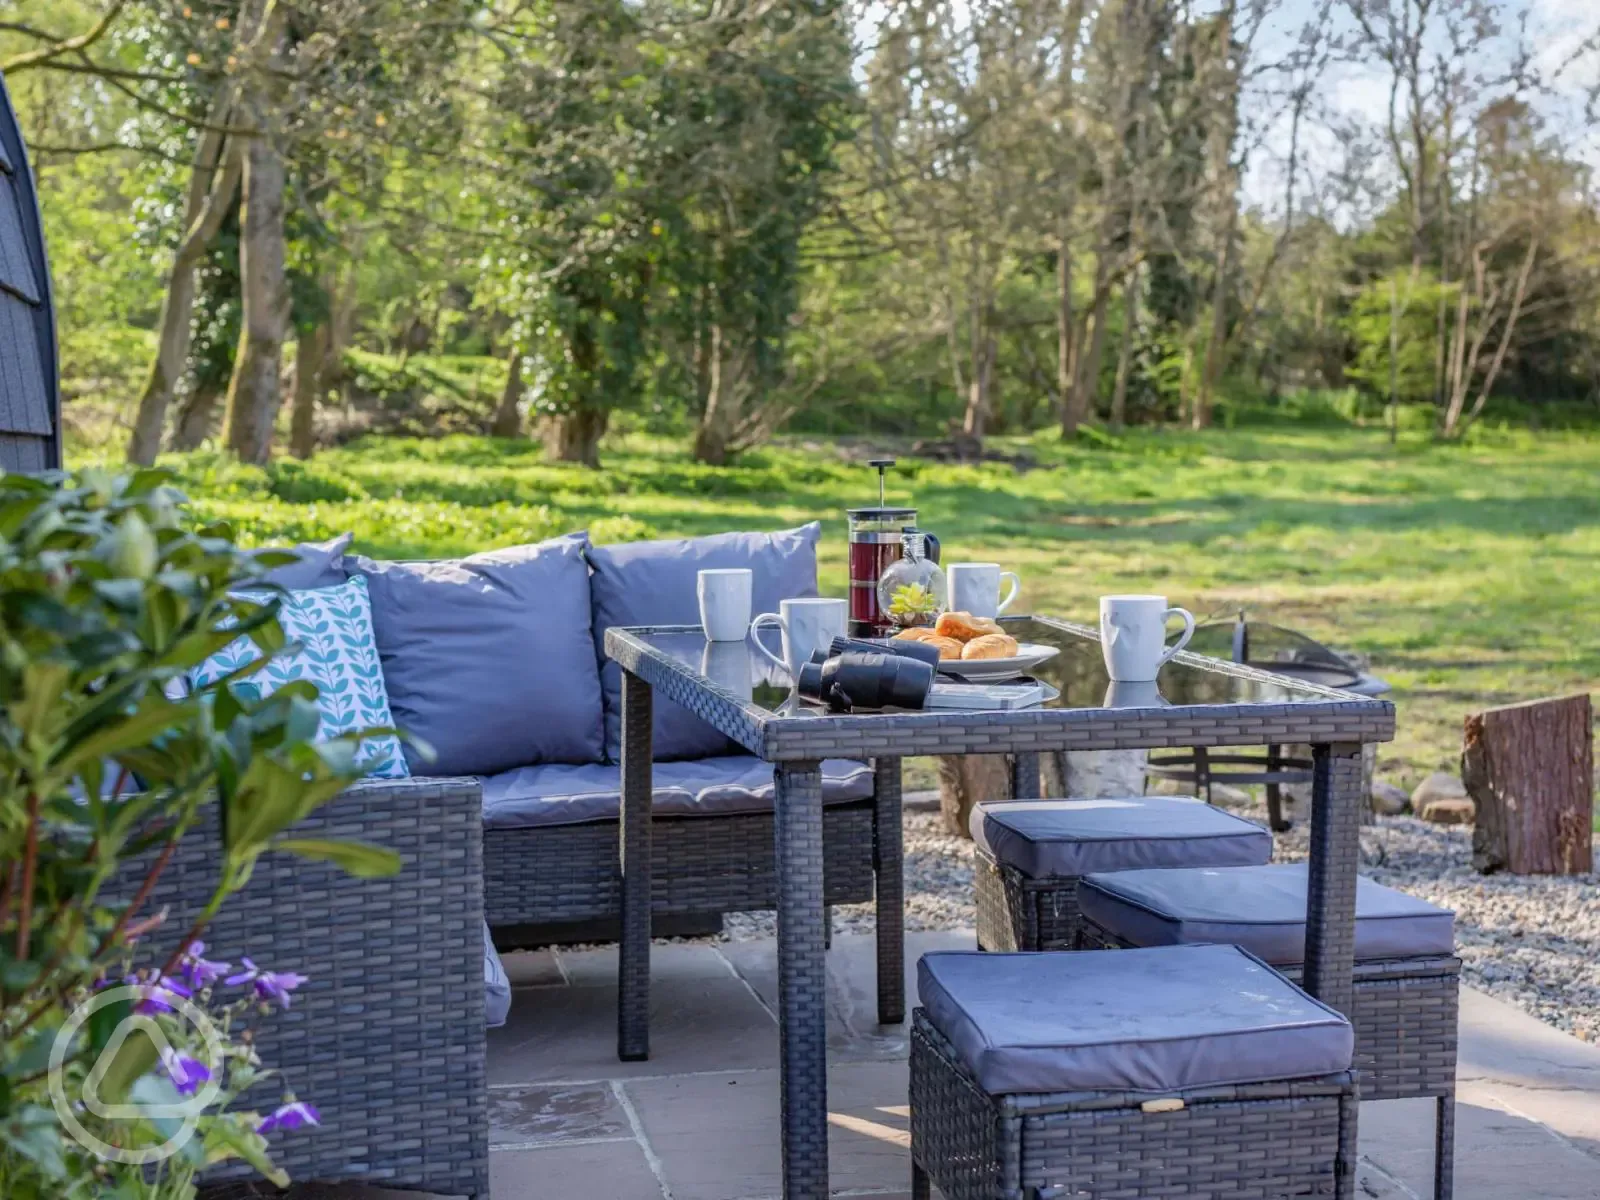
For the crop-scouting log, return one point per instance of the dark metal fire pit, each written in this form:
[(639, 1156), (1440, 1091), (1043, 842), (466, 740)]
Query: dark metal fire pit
[(1269, 648)]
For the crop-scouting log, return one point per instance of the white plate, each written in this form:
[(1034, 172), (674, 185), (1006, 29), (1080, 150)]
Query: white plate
[(992, 670)]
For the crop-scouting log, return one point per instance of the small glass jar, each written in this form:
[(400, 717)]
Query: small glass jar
[(912, 590)]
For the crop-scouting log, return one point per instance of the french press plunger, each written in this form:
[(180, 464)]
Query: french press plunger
[(876, 542)]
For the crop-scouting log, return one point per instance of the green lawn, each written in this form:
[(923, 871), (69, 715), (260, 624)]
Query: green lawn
[(1467, 573)]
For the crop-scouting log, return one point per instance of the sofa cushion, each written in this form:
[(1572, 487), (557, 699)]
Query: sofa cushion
[(1045, 839), (489, 658), (316, 565), (1260, 908), (496, 984), (653, 583), (333, 626), (1128, 1020), (555, 794)]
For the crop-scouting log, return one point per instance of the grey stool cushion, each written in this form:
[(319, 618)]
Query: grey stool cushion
[(654, 583), (1262, 909), (1119, 1020), (557, 794), (1048, 838)]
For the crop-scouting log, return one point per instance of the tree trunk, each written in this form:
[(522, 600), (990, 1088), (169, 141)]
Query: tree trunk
[(507, 421), (211, 194), (575, 436), (341, 289), (966, 780), (255, 391), (1529, 769), (197, 419), (1519, 294), (1216, 342), (1130, 336), (975, 421), (1093, 774), (1066, 368), (713, 435), (1088, 385), (309, 373)]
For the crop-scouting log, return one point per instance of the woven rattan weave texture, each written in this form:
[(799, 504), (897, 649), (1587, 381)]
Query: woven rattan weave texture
[(1247, 1142), (386, 1037)]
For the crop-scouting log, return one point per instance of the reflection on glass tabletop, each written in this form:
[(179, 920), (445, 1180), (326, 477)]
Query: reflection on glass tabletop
[(1078, 672)]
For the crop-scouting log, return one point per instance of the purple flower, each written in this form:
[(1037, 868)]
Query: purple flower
[(199, 972), (157, 995), (187, 1073), (269, 985), (292, 1115)]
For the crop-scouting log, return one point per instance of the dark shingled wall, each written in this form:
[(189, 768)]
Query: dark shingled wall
[(30, 411)]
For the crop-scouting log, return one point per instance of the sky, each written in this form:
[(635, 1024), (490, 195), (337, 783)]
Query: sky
[(1556, 32)]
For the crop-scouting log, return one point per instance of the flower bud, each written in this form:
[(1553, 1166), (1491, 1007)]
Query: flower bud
[(132, 552)]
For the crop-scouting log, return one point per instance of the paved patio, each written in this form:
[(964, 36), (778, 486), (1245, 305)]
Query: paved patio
[(699, 1120)]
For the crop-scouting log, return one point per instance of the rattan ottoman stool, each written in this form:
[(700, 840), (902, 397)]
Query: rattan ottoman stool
[(1031, 854), (1188, 1071), (1406, 972)]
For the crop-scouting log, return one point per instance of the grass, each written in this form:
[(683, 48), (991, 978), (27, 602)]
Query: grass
[(1467, 574)]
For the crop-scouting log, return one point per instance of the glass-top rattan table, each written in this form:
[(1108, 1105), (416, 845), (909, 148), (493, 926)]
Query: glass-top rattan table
[(1196, 702)]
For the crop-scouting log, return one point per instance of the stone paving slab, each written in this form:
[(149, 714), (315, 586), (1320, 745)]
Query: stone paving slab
[(699, 1120)]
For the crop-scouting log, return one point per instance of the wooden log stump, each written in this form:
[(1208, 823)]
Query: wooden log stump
[(1529, 769), (969, 779), (966, 780)]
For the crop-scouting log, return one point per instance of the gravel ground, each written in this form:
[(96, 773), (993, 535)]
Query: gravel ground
[(1533, 941)]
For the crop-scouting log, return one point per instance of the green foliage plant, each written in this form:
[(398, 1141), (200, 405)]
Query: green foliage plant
[(110, 592)]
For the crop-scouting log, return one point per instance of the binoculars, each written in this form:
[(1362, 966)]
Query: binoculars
[(857, 673)]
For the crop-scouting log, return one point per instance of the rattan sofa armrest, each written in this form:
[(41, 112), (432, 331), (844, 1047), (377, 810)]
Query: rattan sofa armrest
[(394, 993)]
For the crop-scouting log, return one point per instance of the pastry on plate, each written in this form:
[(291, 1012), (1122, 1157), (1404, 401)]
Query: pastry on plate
[(991, 645), (962, 626), (917, 633), (948, 647)]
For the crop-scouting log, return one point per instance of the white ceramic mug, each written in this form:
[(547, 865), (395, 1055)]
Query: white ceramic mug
[(725, 602), (808, 623), (975, 588), (1133, 636)]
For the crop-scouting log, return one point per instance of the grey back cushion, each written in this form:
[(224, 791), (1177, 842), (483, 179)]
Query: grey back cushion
[(490, 658), (318, 565), (653, 583), (1128, 1020)]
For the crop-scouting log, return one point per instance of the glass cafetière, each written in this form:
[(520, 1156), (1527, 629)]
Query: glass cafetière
[(877, 543)]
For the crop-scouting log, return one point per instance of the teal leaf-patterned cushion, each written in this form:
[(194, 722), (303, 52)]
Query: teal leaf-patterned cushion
[(339, 654)]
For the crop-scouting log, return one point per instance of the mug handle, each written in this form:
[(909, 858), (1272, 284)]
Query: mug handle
[(1183, 639), (769, 619), (1016, 586)]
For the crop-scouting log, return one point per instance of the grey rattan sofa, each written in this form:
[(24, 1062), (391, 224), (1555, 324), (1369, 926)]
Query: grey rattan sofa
[(386, 1037), (551, 830)]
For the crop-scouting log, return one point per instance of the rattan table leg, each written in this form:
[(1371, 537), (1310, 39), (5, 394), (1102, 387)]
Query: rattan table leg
[(1444, 1149), (888, 861), (1331, 891), (802, 982), (1025, 784), (633, 959)]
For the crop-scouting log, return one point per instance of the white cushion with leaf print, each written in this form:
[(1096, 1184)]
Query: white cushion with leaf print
[(339, 654)]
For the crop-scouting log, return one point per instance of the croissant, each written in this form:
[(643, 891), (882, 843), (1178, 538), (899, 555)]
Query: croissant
[(948, 647), (991, 645), (917, 633), (962, 626)]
